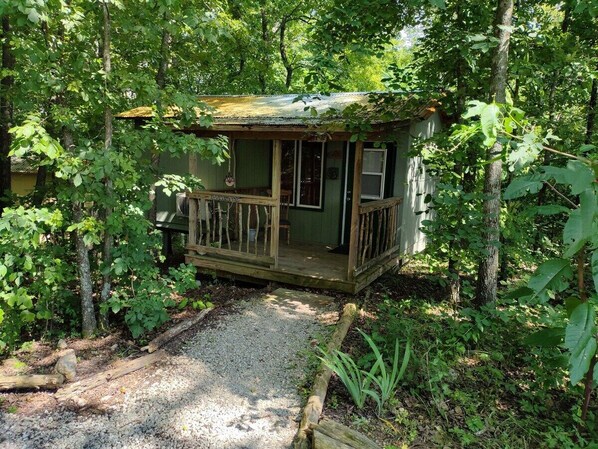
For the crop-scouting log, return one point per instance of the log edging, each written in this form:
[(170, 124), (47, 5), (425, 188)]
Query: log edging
[(315, 403)]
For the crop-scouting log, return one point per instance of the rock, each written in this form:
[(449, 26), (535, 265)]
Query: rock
[(61, 344), (114, 347), (67, 364)]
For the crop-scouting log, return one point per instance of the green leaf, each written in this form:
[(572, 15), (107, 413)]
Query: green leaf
[(27, 316), (570, 304), (3, 270), (33, 16), (546, 338), (577, 175), (77, 180), (550, 209), (552, 275), (522, 186), (438, 3), (490, 120), (475, 108), (580, 340), (581, 225)]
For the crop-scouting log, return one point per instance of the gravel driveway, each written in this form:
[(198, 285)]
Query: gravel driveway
[(231, 386)]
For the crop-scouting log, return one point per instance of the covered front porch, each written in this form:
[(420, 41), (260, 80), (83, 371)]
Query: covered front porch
[(238, 233)]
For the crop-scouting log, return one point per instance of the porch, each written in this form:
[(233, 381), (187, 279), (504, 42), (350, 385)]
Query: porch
[(238, 233)]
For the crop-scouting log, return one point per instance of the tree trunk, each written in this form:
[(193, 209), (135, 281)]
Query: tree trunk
[(6, 83), (488, 268), (266, 42), (39, 193), (284, 57), (89, 325), (108, 237)]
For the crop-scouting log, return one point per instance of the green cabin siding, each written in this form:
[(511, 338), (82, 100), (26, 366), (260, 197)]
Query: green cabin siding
[(251, 164), (322, 226)]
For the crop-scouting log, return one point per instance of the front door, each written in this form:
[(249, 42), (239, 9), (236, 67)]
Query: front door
[(377, 179)]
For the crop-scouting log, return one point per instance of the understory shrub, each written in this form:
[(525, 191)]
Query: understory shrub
[(34, 270), (476, 373), (145, 300)]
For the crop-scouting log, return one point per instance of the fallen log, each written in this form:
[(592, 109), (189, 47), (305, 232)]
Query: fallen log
[(344, 436), (46, 381), (165, 337), (104, 377), (315, 402), (323, 441)]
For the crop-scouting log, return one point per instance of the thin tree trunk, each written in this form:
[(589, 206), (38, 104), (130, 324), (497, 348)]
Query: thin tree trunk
[(108, 237), (89, 324), (488, 269), (284, 57), (6, 110), (88, 317), (39, 193), (265, 50)]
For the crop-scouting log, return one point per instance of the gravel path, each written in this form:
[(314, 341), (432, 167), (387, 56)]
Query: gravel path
[(232, 386)]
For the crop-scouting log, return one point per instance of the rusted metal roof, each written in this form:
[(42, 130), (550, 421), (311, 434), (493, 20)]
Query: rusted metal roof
[(292, 110)]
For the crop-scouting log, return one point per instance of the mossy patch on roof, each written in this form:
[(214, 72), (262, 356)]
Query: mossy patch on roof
[(299, 110)]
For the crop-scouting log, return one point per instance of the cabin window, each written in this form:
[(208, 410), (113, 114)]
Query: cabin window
[(302, 172), (372, 175)]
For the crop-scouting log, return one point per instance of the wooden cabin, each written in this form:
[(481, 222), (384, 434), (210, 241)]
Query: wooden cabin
[(301, 201)]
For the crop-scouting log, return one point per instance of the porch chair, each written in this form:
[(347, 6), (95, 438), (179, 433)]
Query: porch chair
[(284, 223)]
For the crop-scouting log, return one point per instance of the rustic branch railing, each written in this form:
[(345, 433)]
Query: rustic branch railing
[(229, 225), (378, 234)]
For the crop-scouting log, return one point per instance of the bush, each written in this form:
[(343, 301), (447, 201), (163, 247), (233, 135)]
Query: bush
[(146, 300), (34, 269)]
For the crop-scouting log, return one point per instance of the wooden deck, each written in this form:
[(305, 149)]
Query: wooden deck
[(305, 265), (238, 234), (312, 260)]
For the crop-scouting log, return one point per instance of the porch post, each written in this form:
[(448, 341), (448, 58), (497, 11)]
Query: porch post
[(355, 201), (275, 217)]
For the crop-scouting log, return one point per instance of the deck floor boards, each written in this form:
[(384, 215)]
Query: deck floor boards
[(312, 260)]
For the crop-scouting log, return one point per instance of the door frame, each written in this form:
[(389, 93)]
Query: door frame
[(347, 190)]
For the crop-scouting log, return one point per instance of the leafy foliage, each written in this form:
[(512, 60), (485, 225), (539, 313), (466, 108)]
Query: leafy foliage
[(34, 269)]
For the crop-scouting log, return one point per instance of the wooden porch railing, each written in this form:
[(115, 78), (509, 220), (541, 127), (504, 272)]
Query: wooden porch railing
[(378, 234), (232, 226)]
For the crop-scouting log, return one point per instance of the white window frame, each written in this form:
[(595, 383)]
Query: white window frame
[(298, 177), (382, 175)]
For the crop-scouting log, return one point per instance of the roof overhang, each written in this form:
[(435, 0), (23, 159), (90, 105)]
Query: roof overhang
[(314, 117)]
